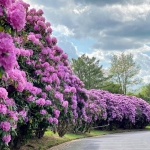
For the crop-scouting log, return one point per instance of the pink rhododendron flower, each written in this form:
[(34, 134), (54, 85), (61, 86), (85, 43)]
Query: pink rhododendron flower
[(34, 90), (41, 24), (32, 38), (59, 96), (43, 112), (32, 11), (3, 93), (45, 50), (48, 24), (17, 16), (30, 98), (29, 18), (56, 113), (73, 89), (3, 109), (57, 50), (39, 36), (65, 104), (6, 138), (64, 56), (13, 115), (5, 126), (8, 61), (40, 12), (7, 51), (23, 114), (46, 65), (10, 102), (24, 52), (51, 69), (5, 3), (44, 95), (25, 5), (48, 39), (36, 28), (41, 18), (48, 87), (40, 102), (67, 90), (18, 76), (48, 102), (57, 59), (54, 41), (55, 120), (50, 120), (35, 18), (49, 30)]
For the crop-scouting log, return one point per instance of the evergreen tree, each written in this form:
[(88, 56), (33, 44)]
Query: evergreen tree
[(89, 71)]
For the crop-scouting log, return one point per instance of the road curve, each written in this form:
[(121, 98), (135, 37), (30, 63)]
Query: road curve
[(139, 140)]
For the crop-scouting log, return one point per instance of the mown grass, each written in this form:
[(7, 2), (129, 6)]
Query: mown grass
[(50, 139), (147, 127)]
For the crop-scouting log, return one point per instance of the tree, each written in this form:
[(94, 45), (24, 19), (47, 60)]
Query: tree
[(112, 87), (124, 69), (145, 93), (89, 71)]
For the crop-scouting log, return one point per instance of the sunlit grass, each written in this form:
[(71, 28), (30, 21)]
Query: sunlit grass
[(50, 139), (148, 127)]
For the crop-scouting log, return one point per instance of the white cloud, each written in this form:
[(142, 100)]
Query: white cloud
[(79, 10), (62, 30), (146, 79), (128, 12)]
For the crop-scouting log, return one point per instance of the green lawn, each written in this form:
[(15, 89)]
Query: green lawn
[(50, 139), (148, 128)]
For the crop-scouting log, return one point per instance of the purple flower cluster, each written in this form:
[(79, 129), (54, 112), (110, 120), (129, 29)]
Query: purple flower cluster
[(8, 114), (117, 107), (7, 52), (6, 138), (16, 13)]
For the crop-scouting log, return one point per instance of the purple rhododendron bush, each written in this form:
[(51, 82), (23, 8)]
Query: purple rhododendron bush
[(120, 111), (38, 89)]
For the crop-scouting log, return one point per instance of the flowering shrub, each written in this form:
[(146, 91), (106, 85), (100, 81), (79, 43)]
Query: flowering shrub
[(123, 111), (49, 70)]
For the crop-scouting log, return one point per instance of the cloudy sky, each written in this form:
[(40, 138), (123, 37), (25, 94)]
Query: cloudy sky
[(101, 28)]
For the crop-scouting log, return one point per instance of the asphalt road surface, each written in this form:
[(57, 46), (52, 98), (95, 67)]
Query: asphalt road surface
[(139, 140)]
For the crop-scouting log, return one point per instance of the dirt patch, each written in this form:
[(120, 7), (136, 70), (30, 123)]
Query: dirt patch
[(38, 144)]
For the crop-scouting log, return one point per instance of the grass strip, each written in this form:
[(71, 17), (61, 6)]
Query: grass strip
[(50, 139)]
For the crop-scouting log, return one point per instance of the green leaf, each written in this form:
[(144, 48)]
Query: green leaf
[(1, 29), (13, 132), (2, 72), (1, 131)]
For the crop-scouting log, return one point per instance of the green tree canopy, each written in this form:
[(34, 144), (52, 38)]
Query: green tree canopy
[(89, 71), (145, 93), (124, 69), (112, 87)]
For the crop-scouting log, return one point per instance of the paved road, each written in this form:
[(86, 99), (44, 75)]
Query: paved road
[(122, 141)]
